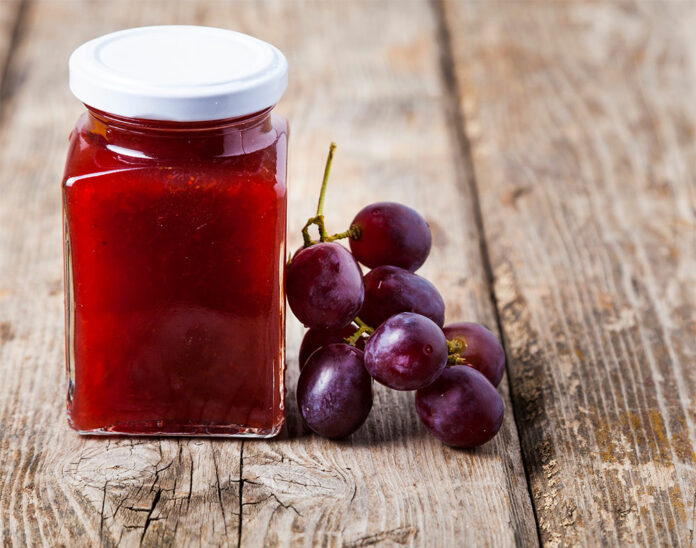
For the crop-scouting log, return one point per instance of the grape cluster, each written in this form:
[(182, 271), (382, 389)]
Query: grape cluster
[(388, 326)]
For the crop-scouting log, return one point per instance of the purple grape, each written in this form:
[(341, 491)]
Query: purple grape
[(391, 234), (295, 254), (406, 352), (316, 338), (461, 408), (390, 290), (334, 392), (325, 288), (482, 349)]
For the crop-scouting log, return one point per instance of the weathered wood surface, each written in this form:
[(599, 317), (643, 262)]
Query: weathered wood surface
[(581, 122), (371, 83)]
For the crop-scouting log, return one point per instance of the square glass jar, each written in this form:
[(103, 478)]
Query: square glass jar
[(174, 233)]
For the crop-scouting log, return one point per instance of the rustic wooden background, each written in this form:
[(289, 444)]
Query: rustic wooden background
[(552, 147)]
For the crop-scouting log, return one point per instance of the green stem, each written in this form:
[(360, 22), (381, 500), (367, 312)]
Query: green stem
[(362, 329), (369, 330), (454, 347), (455, 359), (352, 232), (353, 339), (317, 220), (325, 181)]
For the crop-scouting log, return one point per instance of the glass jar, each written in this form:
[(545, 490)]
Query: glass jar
[(174, 227)]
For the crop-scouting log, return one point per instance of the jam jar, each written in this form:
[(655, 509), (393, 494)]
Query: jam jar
[(174, 209)]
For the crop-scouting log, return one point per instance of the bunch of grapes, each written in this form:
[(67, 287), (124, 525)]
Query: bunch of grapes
[(386, 326)]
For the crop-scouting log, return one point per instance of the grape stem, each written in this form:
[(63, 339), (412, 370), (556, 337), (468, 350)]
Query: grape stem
[(325, 180), (369, 330), (352, 232), (453, 348), (362, 328), (454, 359), (318, 219)]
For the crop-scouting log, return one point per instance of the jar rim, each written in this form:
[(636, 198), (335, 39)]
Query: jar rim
[(171, 126)]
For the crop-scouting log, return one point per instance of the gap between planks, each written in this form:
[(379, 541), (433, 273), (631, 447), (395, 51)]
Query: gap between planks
[(469, 183)]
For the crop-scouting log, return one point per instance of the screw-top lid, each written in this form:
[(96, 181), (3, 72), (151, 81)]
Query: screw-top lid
[(178, 73)]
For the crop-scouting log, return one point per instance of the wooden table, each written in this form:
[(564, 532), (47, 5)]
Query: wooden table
[(552, 147)]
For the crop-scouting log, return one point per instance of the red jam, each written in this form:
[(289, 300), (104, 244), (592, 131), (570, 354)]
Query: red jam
[(174, 251)]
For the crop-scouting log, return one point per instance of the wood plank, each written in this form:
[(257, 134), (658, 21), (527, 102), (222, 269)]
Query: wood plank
[(373, 84), (581, 123), (57, 488)]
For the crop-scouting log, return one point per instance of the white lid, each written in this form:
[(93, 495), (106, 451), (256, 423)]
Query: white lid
[(178, 73)]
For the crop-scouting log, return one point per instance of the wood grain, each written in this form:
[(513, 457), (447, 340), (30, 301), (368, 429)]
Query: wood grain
[(581, 120), (373, 84)]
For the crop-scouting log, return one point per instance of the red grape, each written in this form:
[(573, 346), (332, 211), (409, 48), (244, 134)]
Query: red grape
[(391, 234), (482, 349), (390, 290), (324, 286), (316, 338), (334, 392), (406, 352), (461, 408)]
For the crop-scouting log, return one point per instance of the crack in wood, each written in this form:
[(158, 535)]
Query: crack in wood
[(241, 486), (190, 493), (149, 517), (219, 491), (693, 522), (272, 495), (314, 485), (101, 514)]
